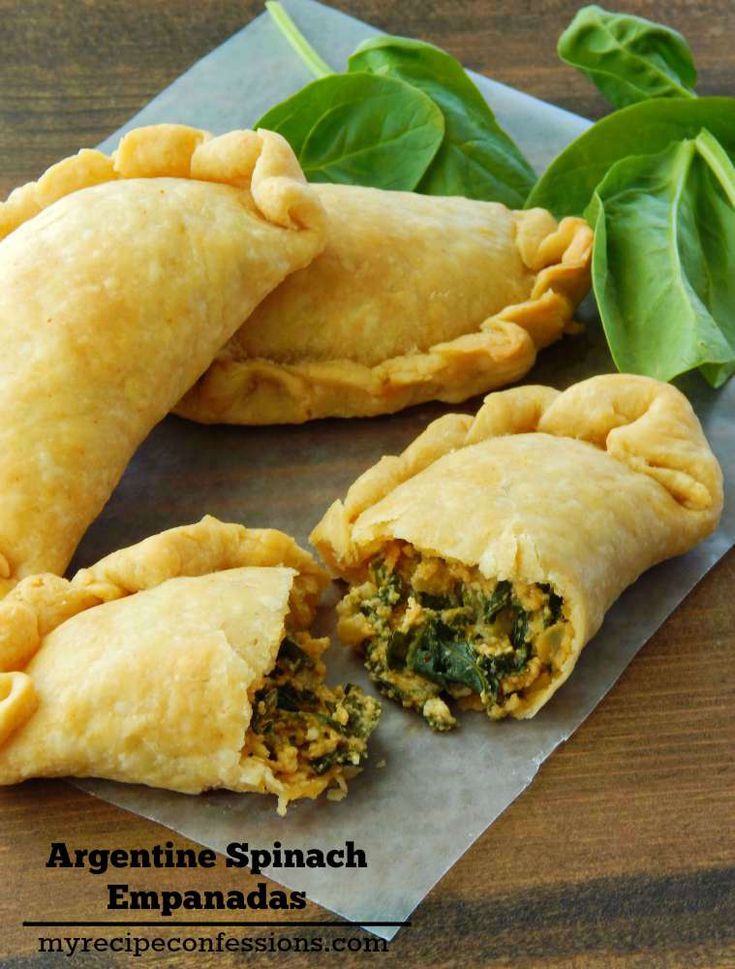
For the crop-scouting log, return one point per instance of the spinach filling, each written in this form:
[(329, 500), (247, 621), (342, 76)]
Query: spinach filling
[(304, 725), (434, 631)]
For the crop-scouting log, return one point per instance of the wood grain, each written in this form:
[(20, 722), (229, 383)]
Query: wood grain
[(621, 853)]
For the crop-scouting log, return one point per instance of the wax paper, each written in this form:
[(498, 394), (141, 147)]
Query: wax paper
[(417, 814)]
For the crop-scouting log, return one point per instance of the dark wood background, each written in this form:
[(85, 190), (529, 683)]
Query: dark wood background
[(622, 852)]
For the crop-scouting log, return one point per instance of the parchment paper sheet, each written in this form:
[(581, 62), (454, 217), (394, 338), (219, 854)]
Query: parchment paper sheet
[(437, 794)]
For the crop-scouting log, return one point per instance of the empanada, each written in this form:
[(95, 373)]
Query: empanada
[(119, 280), (414, 298), (182, 662), (484, 558)]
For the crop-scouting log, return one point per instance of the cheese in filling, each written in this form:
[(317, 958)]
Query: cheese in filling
[(311, 736), (435, 631)]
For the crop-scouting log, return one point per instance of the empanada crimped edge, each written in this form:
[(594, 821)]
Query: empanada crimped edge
[(41, 603), (581, 491), (258, 390), (260, 161), (120, 277), (274, 581)]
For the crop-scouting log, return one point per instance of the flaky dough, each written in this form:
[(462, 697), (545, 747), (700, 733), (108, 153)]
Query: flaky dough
[(583, 489), (120, 277), (414, 298), (141, 668)]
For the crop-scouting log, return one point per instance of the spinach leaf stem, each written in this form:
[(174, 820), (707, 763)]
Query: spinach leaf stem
[(296, 39)]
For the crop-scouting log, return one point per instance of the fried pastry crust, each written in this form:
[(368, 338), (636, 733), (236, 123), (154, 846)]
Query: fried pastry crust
[(575, 492), (182, 662), (414, 298), (120, 277)]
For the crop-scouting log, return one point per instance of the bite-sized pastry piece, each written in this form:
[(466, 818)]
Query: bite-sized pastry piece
[(183, 662), (484, 558), (120, 277), (414, 298)]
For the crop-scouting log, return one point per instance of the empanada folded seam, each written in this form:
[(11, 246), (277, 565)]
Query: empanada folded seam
[(260, 391), (182, 662), (243, 389), (560, 255), (38, 604), (158, 253), (259, 161), (484, 557), (647, 425)]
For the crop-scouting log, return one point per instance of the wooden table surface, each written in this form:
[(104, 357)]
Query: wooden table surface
[(622, 851)]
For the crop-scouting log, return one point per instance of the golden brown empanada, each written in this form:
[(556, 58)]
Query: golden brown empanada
[(119, 279), (182, 662), (414, 298), (484, 558)]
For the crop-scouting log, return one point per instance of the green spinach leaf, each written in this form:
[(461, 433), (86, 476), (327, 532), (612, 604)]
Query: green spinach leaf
[(477, 159), (628, 58), (361, 129), (437, 602), (292, 657), (556, 603), (662, 274), (391, 590), (567, 185), (439, 656), (519, 629), (397, 650), (341, 755), (294, 700), (496, 668), (498, 601), (364, 712)]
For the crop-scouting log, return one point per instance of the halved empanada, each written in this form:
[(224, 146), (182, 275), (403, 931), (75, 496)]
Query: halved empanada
[(484, 558), (414, 298), (119, 280), (182, 662)]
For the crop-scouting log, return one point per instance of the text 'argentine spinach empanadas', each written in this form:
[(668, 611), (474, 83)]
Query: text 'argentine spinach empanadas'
[(183, 662), (484, 558), (414, 298), (120, 277)]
